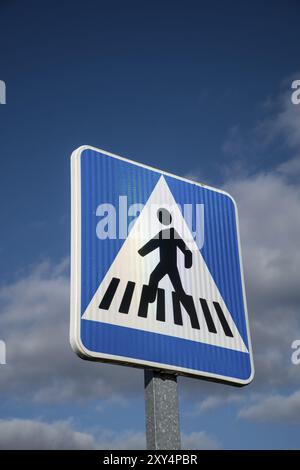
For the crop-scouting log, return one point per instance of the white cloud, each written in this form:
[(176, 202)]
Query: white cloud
[(270, 228), (275, 134), (34, 322), (215, 401), (38, 435), (290, 168), (199, 441), (29, 434), (283, 121), (274, 408)]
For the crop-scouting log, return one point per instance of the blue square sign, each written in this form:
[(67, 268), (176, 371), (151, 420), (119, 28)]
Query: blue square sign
[(156, 271)]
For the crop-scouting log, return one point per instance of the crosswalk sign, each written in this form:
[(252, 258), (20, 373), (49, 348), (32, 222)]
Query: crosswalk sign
[(156, 271)]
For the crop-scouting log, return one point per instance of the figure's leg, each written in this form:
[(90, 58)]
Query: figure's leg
[(181, 297), (176, 281), (157, 274)]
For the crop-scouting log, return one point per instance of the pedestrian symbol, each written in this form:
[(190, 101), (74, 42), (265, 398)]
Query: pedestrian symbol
[(160, 298), (167, 241)]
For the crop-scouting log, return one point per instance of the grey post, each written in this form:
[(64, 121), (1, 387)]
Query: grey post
[(162, 411)]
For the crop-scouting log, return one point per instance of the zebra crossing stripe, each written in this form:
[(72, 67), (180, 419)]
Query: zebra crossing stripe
[(109, 294), (223, 320), (125, 304), (208, 318), (147, 297)]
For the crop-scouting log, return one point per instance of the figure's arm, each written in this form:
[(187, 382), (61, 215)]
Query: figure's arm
[(180, 243), (185, 250), (148, 247)]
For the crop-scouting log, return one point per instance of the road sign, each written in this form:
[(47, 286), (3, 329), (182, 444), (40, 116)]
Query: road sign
[(156, 271)]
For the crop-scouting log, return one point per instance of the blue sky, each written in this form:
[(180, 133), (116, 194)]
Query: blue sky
[(194, 88)]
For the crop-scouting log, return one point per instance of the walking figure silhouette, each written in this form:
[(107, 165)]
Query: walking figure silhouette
[(167, 240)]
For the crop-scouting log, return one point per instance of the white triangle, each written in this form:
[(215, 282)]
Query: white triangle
[(197, 281)]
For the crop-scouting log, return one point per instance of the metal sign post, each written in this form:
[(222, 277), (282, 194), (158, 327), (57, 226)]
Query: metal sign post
[(162, 411)]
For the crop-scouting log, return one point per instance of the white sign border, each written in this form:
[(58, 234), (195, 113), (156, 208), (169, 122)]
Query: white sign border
[(75, 292)]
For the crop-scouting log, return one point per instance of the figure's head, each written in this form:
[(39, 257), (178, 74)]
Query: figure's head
[(164, 216)]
